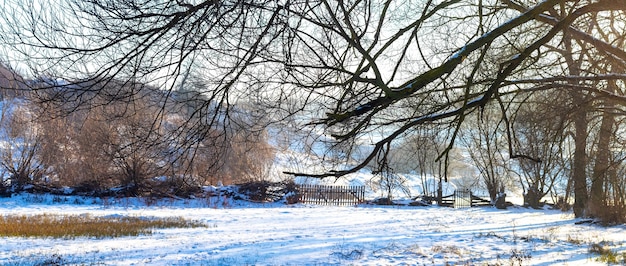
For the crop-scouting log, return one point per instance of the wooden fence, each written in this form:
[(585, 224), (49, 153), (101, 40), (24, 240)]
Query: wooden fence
[(331, 195)]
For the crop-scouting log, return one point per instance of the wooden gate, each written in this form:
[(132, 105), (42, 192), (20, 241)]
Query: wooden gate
[(331, 195)]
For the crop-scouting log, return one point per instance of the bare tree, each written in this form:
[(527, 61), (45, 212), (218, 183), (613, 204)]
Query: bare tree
[(485, 143), (539, 127), (62, 152), (19, 155), (418, 153), (227, 151)]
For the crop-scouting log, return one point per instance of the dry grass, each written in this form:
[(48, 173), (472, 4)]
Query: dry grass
[(606, 254), (71, 226)]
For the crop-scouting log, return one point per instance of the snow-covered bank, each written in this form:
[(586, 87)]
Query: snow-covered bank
[(276, 234)]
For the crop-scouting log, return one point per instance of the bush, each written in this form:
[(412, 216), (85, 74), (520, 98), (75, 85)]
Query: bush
[(265, 191), (606, 254), (87, 187), (174, 186), (612, 214), (4, 190)]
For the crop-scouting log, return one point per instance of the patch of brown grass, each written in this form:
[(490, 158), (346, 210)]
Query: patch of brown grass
[(606, 254), (71, 226)]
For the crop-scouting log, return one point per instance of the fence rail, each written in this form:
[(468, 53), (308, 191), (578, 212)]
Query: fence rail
[(331, 195), (461, 198)]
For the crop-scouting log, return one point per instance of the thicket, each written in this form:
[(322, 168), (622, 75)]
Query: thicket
[(143, 148)]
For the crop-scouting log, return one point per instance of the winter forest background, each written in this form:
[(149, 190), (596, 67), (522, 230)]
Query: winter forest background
[(162, 97)]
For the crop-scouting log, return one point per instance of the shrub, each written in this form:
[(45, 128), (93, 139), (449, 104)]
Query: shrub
[(606, 254), (612, 214), (265, 191), (178, 186)]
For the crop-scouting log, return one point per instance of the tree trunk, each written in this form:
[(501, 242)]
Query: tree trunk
[(533, 197), (579, 176), (440, 191), (597, 197)]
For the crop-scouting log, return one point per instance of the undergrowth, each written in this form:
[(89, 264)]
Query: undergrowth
[(606, 254), (71, 226)]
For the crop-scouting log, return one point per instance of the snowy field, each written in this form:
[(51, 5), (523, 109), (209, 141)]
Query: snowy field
[(240, 233)]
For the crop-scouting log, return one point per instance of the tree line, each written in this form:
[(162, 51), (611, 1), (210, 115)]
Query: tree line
[(113, 146)]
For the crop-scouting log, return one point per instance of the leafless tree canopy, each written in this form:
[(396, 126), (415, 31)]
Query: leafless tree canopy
[(352, 66)]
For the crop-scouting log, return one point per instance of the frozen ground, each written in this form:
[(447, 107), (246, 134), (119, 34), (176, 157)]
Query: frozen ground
[(276, 234)]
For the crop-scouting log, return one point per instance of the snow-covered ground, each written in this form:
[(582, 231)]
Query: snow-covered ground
[(241, 233)]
